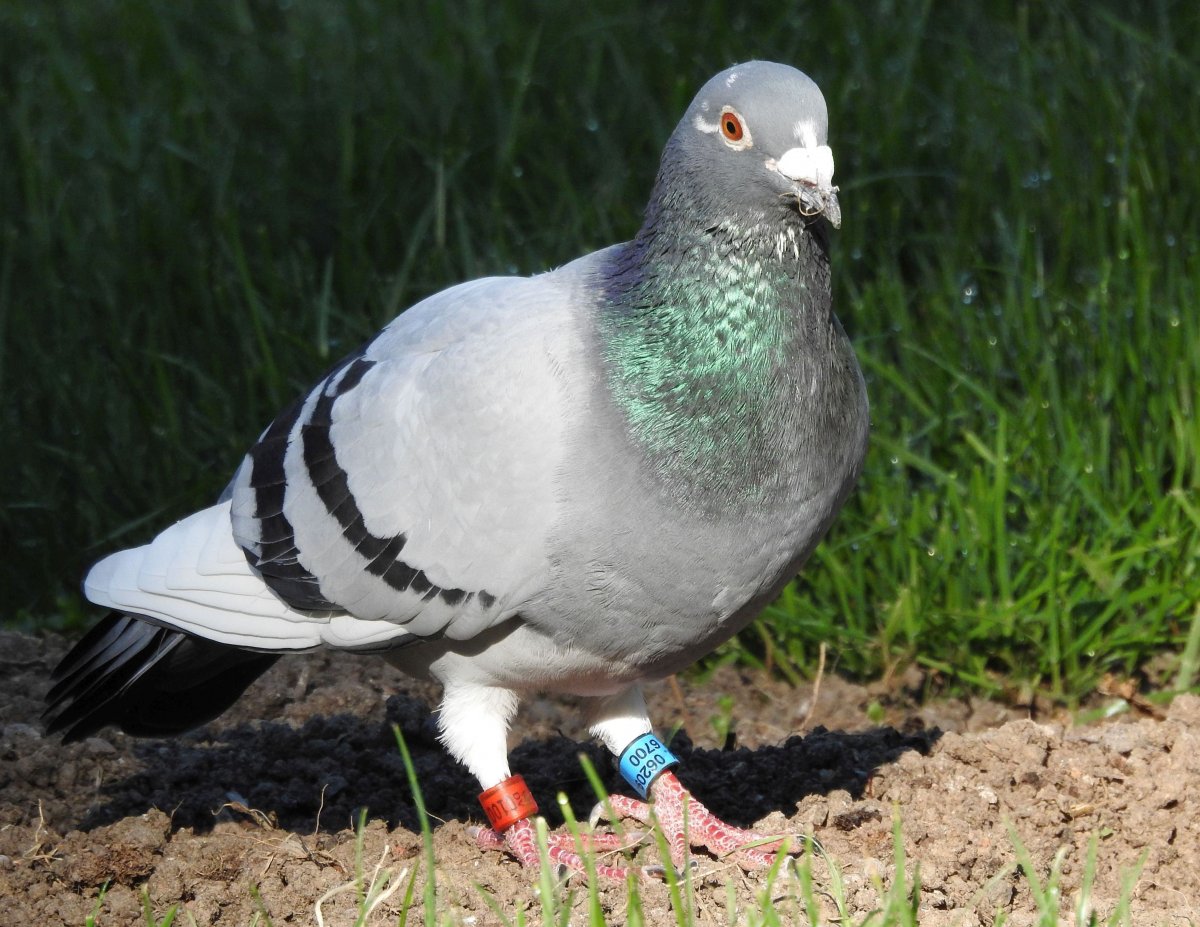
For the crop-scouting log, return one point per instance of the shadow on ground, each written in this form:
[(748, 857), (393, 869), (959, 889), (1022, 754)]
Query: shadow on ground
[(313, 741), (329, 767)]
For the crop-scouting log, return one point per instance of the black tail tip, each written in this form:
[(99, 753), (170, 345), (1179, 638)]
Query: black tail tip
[(147, 680)]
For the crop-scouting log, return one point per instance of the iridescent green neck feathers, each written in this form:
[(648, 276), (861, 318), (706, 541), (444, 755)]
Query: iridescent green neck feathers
[(704, 335)]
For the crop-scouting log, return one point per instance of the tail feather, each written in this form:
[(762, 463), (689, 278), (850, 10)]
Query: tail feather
[(146, 679), (101, 658)]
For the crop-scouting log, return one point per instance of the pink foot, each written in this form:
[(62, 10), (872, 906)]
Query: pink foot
[(521, 841), (703, 827)]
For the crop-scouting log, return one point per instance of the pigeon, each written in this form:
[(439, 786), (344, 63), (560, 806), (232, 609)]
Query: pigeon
[(569, 483)]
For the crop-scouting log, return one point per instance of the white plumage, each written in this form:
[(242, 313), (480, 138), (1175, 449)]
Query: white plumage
[(194, 577)]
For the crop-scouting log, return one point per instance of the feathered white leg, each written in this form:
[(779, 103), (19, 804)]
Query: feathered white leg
[(474, 723), (617, 720)]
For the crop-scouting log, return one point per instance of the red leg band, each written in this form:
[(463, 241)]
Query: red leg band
[(507, 803)]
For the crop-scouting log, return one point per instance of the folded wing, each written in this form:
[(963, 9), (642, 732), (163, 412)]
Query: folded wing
[(410, 493)]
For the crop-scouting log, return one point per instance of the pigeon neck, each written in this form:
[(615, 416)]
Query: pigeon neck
[(703, 327)]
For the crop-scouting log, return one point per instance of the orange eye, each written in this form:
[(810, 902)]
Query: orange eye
[(731, 126)]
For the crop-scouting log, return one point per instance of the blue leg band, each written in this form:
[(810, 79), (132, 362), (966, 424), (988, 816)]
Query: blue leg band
[(643, 760)]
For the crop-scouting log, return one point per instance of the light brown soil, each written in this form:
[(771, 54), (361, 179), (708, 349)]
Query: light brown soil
[(254, 813)]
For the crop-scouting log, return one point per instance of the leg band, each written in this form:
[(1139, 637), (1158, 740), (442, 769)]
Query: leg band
[(643, 760), (507, 803)]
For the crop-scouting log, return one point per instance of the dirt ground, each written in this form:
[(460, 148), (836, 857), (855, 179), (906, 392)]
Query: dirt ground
[(253, 815)]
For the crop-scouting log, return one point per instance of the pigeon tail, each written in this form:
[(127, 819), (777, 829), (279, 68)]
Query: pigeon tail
[(148, 680)]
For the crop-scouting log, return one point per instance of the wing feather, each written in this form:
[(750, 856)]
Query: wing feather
[(419, 475), (411, 493)]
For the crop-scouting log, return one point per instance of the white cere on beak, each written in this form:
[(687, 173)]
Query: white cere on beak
[(807, 165)]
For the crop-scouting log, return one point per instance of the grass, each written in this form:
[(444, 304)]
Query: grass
[(790, 893), (1047, 894), (207, 204)]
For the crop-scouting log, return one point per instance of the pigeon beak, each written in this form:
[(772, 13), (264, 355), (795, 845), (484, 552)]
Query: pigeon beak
[(810, 170)]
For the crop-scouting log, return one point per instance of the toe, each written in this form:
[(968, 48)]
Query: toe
[(486, 838), (622, 806), (686, 821), (561, 849)]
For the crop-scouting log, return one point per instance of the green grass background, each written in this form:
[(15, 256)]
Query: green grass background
[(204, 204)]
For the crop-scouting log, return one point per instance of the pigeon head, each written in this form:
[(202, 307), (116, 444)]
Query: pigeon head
[(752, 145)]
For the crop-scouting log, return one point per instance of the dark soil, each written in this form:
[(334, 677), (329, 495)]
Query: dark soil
[(254, 814)]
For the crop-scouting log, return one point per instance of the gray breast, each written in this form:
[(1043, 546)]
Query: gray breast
[(649, 579)]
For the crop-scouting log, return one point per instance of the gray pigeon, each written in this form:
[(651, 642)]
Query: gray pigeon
[(566, 483)]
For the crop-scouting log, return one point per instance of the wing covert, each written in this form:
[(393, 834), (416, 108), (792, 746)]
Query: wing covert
[(416, 483)]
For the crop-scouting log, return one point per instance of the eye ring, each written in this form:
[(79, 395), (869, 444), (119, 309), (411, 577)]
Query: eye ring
[(734, 131), (731, 126)]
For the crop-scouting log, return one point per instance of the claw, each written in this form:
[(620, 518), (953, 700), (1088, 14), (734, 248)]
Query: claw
[(599, 813), (660, 871)]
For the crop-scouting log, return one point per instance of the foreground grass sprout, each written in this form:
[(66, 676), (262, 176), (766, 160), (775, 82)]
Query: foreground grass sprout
[(383, 883)]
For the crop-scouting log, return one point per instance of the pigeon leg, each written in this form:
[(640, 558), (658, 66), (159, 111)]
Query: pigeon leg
[(621, 721), (561, 850), (672, 803), (474, 720), (510, 807)]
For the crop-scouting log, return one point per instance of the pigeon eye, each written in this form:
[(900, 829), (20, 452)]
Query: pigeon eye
[(731, 126)]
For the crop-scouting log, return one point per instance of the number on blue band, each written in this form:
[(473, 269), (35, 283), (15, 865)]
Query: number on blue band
[(643, 760)]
